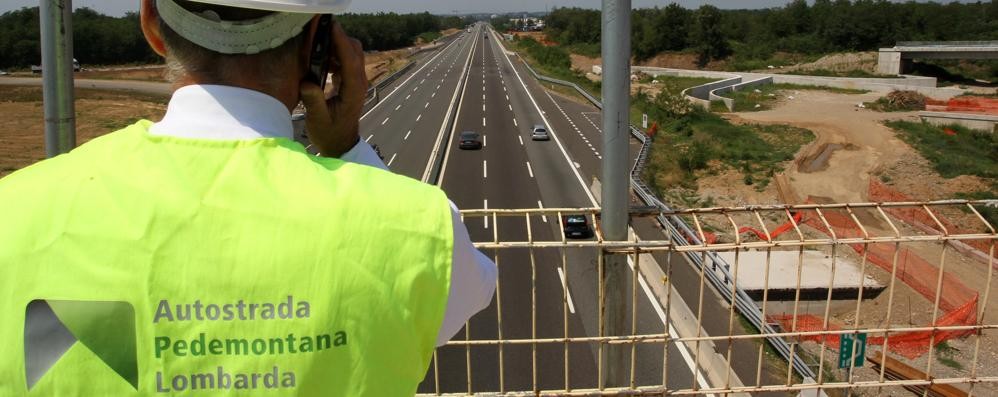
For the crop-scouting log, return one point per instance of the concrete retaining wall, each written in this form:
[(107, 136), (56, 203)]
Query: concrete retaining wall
[(715, 95), (982, 122)]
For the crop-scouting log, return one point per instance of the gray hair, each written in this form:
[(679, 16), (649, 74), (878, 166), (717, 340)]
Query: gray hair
[(187, 59)]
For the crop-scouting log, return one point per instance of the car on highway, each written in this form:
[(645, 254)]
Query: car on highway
[(2, 73), (576, 227), (470, 140), (540, 133)]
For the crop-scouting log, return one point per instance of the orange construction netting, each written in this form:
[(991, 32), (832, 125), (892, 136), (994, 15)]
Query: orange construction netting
[(957, 302), (964, 104)]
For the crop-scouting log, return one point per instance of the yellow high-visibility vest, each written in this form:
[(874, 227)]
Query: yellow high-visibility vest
[(147, 265)]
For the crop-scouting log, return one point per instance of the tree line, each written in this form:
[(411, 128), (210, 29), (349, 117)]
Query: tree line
[(100, 39), (799, 27)]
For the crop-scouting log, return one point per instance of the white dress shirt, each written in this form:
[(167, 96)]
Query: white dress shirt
[(231, 113)]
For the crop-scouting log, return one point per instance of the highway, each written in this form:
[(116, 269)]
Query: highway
[(502, 102)]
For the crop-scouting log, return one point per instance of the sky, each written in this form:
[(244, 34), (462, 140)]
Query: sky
[(120, 7)]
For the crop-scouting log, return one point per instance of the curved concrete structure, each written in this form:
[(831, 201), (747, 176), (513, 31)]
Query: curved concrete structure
[(702, 95)]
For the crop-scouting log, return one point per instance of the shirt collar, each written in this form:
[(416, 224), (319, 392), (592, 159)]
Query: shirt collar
[(224, 113)]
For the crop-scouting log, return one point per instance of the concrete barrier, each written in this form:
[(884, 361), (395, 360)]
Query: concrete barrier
[(702, 95), (984, 122), (715, 95)]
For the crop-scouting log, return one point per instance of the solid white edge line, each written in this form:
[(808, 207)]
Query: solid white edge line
[(443, 126), (568, 294), (550, 130), (672, 330), (383, 100)]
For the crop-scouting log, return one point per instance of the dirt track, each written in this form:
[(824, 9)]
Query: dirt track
[(850, 145)]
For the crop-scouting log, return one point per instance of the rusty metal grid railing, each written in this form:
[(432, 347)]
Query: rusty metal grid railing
[(541, 334)]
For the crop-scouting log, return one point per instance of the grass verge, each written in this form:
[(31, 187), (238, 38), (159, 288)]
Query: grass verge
[(953, 150), (763, 97)]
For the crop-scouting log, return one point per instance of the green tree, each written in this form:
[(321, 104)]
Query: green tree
[(706, 36)]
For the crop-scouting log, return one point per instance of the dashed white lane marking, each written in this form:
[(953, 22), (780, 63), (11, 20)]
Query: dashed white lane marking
[(507, 98), (407, 135), (486, 218), (397, 107), (485, 169), (485, 140), (585, 115), (415, 89), (541, 206), (393, 159), (369, 138), (483, 107), (483, 121), (426, 105), (521, 139), (386, 120), (568, 295), (575, 127), (419, 117), (510, 107), (529, 169), (424, 80), (433, 95), (515, 123), (407, 97)]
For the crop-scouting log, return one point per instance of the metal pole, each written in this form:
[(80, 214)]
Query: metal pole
[(616, 45), (57, 76)]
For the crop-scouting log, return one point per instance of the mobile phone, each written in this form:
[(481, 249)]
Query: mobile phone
[(318, 62)]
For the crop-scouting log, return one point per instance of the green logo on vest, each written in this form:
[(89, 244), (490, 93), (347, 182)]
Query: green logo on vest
[(106, 329)]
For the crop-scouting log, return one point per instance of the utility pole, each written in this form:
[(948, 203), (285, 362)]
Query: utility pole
[(616, 46), (57, 76)]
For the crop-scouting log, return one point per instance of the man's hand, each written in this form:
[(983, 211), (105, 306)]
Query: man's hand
[(333, 118)]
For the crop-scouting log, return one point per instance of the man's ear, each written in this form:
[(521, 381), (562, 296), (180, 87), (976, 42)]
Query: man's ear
[(306, 50), (149, 17)]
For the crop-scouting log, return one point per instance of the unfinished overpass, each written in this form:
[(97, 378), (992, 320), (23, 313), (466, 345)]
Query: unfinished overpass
[(897, 59)]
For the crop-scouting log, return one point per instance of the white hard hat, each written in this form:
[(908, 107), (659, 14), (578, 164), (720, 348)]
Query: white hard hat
[(296, 6), (208, 30)]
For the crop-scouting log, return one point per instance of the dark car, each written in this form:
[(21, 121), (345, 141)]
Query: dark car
[(576, 226), (470, 140)]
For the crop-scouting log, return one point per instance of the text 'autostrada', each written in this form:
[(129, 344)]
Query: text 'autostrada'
[(242, 351)]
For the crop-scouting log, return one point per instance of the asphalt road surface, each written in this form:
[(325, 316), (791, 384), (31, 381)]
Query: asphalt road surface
[(501, 102)]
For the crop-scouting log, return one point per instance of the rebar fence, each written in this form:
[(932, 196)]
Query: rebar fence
[(871, 298)]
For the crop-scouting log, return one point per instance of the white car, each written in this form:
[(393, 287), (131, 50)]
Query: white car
[(540, 133)]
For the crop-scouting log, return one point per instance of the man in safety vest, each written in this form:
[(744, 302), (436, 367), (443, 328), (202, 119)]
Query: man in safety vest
[(209, 254)]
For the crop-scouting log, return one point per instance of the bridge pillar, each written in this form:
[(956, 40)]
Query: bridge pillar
[(889, 62)]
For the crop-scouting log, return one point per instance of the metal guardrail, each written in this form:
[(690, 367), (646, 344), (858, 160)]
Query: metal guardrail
[(519, 359), (683, 234), (373, 97)]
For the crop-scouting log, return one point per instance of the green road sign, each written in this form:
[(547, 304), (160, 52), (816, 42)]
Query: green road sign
[(846, 343)]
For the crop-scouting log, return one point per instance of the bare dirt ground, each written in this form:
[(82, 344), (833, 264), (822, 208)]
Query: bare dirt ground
[(98, 112), (140, 73), (852, 146), (841, 62)]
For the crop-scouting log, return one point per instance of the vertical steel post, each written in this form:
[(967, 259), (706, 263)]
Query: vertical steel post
[(616, 48), (57, 75)]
